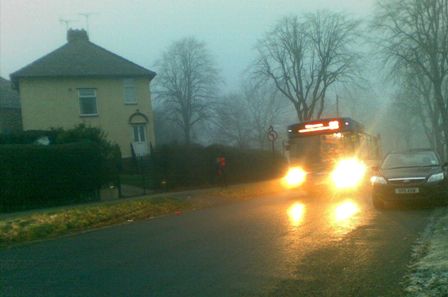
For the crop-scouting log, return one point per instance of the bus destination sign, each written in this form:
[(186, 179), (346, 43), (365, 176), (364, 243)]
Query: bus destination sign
[(324, 126), (320, 126)]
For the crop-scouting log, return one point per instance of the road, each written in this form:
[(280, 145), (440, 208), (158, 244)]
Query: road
[(285, 245)]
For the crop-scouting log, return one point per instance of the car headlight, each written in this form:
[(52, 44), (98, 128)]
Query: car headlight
[(436, 177), (295, 177), (348, 173), (378, 180)]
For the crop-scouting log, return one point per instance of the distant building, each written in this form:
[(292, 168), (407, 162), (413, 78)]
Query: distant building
[(10, 117), (81, 82)]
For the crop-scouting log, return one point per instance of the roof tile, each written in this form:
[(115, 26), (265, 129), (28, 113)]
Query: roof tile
[(79, 58)]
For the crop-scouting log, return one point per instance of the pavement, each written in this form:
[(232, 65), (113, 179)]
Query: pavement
[(429, 268), (287, 244)]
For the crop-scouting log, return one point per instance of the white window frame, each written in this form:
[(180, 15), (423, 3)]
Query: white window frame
[(141, 132), (80, 97), (129, 91)]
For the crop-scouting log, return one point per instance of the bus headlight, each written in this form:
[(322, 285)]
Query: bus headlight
[(295, 177), (348, 173)]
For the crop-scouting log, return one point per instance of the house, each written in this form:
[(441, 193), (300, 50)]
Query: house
[(10, 117), (81, 82)]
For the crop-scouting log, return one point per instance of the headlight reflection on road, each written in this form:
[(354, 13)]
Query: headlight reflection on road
[(345, 210), (344, 216), (296, 213)]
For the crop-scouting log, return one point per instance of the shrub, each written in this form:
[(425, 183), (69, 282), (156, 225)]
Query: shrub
[(83, 132), (27, 137), (41, 176), (110, 153)]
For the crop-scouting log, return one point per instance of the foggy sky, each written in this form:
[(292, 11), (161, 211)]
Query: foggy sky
[(141, 30)]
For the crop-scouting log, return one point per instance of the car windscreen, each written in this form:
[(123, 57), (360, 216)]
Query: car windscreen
[(410, 159)]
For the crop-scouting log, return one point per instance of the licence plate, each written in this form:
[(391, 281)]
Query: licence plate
[(407, 190)]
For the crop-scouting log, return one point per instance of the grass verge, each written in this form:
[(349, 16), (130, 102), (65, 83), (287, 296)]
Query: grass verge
[(44, 224), (240, 192), (48, 224), (429, 276)]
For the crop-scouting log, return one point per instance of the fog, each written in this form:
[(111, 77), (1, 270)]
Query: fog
[(142, 30)]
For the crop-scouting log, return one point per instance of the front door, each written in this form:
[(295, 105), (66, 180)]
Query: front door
[(140, 144)]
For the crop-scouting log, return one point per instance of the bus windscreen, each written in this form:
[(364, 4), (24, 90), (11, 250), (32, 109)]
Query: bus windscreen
[(320, 148)]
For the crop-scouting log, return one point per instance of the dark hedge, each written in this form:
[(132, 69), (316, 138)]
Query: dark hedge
[(186, 166), (41, 176), (27, 137)]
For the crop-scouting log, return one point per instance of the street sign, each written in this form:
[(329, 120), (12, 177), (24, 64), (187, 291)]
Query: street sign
[(272, 134)]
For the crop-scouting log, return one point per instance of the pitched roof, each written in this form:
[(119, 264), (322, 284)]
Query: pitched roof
[(80, 58), (9, 98)]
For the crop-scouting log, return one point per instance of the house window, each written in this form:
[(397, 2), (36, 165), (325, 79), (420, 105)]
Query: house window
[(139, 133), (130, 96), (87, 102)]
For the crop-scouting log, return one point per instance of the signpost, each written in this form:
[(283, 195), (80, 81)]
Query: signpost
[(272, 136)]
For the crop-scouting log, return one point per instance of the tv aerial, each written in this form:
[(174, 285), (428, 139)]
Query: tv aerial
[(67, 22), (87, 16)]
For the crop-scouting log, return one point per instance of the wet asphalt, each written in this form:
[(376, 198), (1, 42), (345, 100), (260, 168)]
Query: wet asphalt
[(285, 245)]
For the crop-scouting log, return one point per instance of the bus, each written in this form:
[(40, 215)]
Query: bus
[(334, 152)]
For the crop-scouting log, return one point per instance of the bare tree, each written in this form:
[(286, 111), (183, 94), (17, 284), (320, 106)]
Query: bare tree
[(417, 94), (414, 41), (186, 83), (406, 117), (243, 118), (265, 108), (233, 122), (167, 131), (305, 57)]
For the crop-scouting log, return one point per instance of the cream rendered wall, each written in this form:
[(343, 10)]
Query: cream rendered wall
[(53, 102)]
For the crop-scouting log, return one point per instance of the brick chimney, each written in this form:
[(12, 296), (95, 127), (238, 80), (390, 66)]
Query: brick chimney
[(77, 35)]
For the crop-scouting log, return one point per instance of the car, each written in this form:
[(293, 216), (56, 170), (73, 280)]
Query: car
[(408, 176)]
